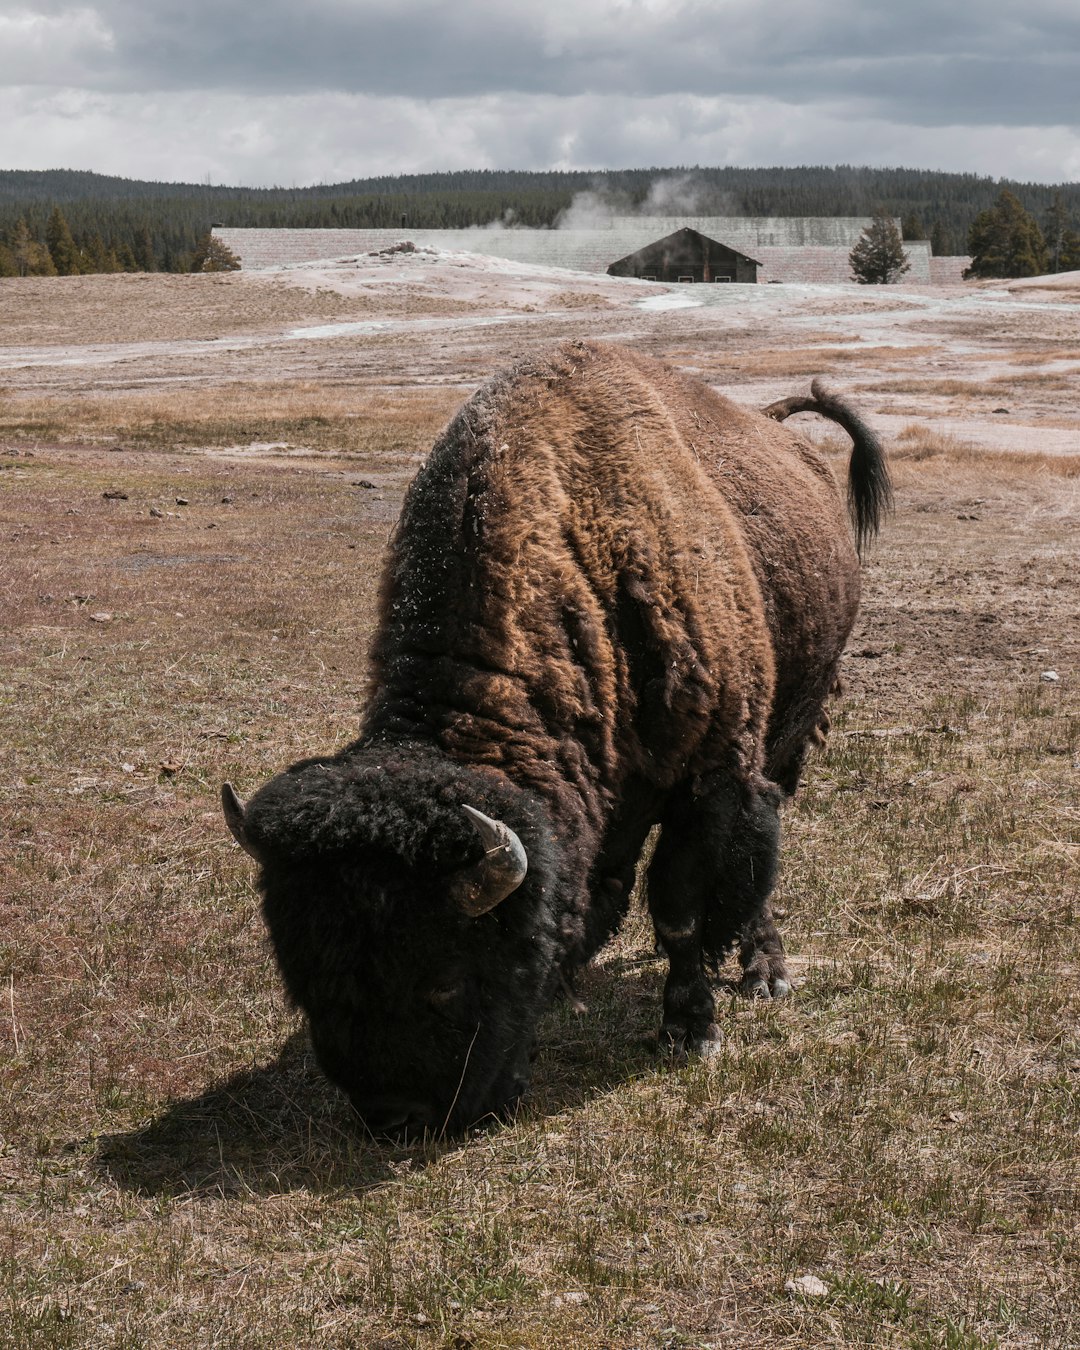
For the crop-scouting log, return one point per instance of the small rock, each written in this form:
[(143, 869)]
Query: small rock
[(170, 767), (158, 515), (182, 501), (1002, 410), (226, 501), (115, 496), (212, 525), (809, 1286), (1049, 677), (364, 483), (102, 616)]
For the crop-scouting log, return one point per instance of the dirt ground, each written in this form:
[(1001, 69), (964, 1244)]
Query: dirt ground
[(197, 479), (990, 365), (980, 368)]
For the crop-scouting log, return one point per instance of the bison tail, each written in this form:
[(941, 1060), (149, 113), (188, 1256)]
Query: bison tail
[(869, 487)]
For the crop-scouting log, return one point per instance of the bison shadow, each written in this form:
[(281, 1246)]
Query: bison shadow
[(281, 1127)]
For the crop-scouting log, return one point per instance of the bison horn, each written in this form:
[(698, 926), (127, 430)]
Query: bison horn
[(234, 818), (499, 872)]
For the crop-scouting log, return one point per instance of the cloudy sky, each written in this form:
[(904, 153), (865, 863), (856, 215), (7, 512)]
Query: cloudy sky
[(305, 91)]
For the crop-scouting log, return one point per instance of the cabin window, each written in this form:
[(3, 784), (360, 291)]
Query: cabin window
[(684, 277), (649, 276), (721, 278)]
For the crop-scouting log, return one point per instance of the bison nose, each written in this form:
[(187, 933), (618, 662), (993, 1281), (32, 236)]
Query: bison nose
[(395, 1116)]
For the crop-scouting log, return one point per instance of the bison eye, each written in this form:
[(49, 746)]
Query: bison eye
[(444, 996), (451, 1003)]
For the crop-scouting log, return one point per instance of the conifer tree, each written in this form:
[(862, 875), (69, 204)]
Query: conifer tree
[(62, 247), (911, 227), (878, 259), (940, 240), (31, 258), (143, 249), (98, 257), (1062, 241), (1006, 241), (212, 255)]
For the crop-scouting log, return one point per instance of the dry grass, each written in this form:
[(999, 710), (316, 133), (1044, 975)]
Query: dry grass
[(773, 363), (173, 1169), (157, 307), (1025, 356), (1001, 387), (578, 300), (341, 419), (919, 444)]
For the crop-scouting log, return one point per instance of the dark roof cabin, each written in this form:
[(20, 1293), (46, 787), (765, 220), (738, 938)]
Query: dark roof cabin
[(686, 255)]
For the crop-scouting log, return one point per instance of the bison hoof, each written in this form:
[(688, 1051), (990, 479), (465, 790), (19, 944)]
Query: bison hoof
[(753, 986), (679, 1045)]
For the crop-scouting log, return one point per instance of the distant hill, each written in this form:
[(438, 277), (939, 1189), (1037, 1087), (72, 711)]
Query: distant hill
[(144, 224)]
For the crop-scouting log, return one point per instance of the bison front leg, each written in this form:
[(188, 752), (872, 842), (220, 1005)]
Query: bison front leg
[(709, 884), (761, 955)]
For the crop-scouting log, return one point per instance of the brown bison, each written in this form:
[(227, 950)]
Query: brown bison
[(614, 600)]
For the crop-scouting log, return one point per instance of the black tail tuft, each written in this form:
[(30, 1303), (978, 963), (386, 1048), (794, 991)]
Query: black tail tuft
[(869, 487)]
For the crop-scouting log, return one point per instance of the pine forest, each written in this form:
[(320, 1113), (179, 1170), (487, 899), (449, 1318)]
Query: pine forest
[(66, 221)]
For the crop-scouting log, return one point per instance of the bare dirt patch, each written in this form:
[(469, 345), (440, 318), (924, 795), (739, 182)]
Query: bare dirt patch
[(192, 509)]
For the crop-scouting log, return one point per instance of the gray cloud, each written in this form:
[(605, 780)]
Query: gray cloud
[(339, 88), (976, 62)]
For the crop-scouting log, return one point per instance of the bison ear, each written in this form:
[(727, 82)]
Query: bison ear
[(498, 873), (234, 818)]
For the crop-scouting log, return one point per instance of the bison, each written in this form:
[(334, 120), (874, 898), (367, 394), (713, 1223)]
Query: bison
[(614, 600)]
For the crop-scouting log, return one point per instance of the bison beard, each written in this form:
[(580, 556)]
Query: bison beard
[(614, 600)]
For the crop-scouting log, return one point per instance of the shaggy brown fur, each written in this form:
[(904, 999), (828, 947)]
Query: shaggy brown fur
[(614, 599), (592, 509)]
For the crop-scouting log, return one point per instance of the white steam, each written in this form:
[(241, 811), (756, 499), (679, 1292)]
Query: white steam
[(676, 194)]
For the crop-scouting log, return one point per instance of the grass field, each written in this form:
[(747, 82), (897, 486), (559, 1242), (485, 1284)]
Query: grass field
[(174, 1171)]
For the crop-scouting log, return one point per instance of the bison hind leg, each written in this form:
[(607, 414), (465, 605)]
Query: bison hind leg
[(744, 885)]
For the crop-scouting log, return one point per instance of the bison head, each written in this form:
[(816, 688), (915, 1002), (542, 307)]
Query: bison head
[(413, 928)]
